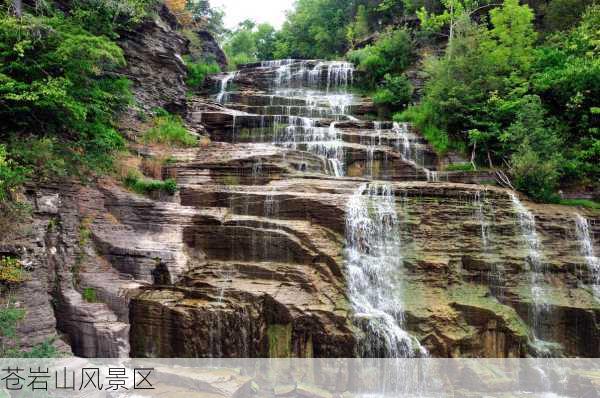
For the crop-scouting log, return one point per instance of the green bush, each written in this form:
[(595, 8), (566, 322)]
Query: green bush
[(59, 93), (536, 177), (420, 116), (11, 176), (169, 129), (391, 54), (147, 186), (395, 92), (10, 316), (197, 72), (108, 17)]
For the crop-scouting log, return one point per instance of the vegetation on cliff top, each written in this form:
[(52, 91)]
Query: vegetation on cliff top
[(513, 89)]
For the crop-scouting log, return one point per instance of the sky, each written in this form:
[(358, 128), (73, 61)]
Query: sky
[(271, 11)]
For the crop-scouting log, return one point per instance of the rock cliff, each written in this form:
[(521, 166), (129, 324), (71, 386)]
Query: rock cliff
[(301, 230)]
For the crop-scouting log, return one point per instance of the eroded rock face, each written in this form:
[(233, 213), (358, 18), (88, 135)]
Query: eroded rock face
[(153, 52), (250, 257), (211, 49)]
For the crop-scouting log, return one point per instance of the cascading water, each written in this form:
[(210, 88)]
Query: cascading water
[(537, 272), (586, 247), (222, 96), (482, 208), (374, 261), (302, 132), (478, 202), (411, 153)]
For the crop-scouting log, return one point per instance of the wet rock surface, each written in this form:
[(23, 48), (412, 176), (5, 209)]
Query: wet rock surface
[(250, 258)]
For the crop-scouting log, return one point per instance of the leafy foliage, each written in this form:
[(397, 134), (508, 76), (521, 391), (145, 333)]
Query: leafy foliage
[(495, 91), (392, 53), (249, 43), (89, 295), (11, 176), (108, 17), (395, 92), (58, 92), (10, 316), (197, 72), (315, 29)]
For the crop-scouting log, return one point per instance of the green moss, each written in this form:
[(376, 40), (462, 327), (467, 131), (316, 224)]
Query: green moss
[(231, 180), (280, 340), (587, 203), (478, 296), (89, 295)]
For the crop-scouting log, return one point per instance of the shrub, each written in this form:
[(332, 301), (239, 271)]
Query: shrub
[(197, 72), (392, 53), (395, 92), (53, 68), (537, 177), (420, 116), (10, 316), (169, 129), (146, 186), (11, 271), (11, 176)]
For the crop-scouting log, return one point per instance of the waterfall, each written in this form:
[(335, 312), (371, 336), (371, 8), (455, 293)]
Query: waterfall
[(496, 275), (480, 215), (586, 247), (276, 63), (401, 131), (374, 259), (221, 97), (537, 272), (411, 153), (339, 74)]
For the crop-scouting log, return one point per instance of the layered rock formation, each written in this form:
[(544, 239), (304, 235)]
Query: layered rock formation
[(153, 52), (251, 257)]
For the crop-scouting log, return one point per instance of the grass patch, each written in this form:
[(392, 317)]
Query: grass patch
[(587, 203), (169, 129), (89, 295), (10, 316), (467, 167), (147, 186)]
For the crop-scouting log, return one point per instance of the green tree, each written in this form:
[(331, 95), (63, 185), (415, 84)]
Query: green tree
[(266, 40), (567, 78), (359, 29), (250, 43), (315, 29), (392, 53)]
